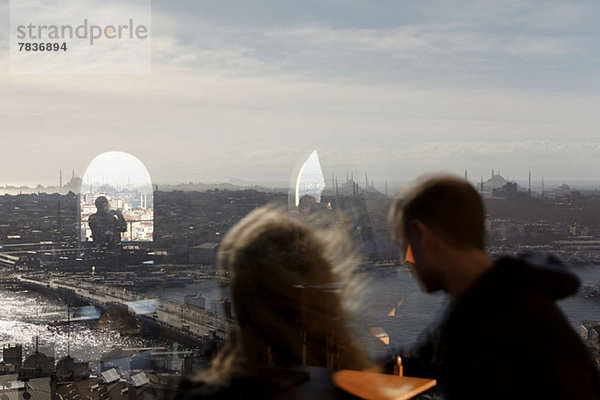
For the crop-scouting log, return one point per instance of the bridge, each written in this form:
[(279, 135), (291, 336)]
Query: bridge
[(187, 319)]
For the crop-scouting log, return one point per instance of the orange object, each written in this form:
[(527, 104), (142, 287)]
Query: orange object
[(398, 369), (375, 386), (381, 334), (409, 257)]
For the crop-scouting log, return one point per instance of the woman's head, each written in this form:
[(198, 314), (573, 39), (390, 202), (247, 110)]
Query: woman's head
[(285, 288)]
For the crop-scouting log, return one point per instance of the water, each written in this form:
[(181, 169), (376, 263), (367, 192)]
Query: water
[(384, 289), (577, 308), (23, 315), (419, 309)]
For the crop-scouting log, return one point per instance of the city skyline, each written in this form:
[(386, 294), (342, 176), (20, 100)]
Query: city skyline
[(538, 183)]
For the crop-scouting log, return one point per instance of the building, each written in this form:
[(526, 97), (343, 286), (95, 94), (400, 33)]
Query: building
[(13, 355)]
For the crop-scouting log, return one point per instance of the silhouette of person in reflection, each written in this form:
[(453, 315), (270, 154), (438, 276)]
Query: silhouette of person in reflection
[(307, 204), (503, 335), (106, 224), (287, 298)]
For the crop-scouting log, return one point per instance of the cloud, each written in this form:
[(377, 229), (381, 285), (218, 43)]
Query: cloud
[(250, 99), (567, 161), (421, 41), (496, 44), (514, 148)]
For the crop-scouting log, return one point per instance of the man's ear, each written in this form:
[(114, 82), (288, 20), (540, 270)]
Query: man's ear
[(423, 232)]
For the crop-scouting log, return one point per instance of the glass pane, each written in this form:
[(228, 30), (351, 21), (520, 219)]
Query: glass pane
[(324, 112)]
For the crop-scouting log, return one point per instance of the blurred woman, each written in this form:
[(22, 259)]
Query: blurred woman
[(287, 284)]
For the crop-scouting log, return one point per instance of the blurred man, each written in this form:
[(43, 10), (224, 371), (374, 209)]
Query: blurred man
[(503, 336), (106, 224)]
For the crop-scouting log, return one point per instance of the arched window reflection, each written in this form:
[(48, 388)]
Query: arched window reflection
[(310, 181), (116, 203)]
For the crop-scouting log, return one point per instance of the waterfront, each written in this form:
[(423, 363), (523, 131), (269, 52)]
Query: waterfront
[(25, 315)]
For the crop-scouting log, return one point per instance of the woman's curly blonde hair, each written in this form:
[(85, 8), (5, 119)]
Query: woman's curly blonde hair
[(287, 282)]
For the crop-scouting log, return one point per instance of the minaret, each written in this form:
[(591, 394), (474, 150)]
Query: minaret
[(466, 176), (60, 179), (529, 189), (481, 186), (542, 186), (337, 192)]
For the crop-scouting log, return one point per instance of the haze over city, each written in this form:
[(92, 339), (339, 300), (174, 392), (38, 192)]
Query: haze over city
[(395, 89)]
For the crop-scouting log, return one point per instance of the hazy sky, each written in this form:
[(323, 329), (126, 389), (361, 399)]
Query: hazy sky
[(395, 88), (116, 168)]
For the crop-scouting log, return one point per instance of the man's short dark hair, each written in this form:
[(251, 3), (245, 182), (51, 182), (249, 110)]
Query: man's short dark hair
[(446, 203), (100, 202)]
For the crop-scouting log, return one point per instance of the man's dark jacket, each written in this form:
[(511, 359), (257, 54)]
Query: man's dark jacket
[(506, 338)]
